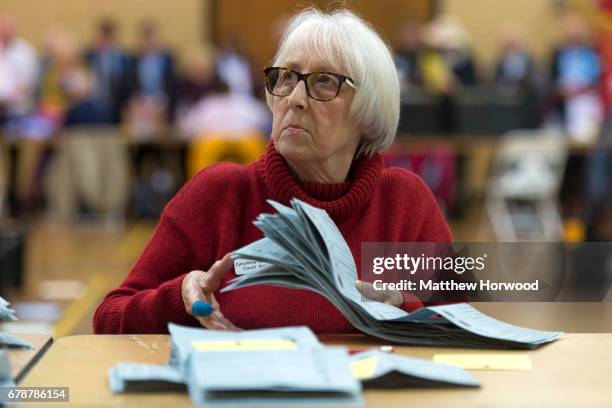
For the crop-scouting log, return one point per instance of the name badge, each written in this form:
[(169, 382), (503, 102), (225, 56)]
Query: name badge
[(243, 266)]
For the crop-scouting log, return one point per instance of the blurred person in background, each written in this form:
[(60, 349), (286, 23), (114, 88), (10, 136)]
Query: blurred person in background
[(108, 65), (197, 78), (446, 66), (576, 74), (514, 67), (63, 84), (515, 73), (407, 54), (450, 41), (151, 82), (598, 188), (599, 161), (234, 67), (18, 72)]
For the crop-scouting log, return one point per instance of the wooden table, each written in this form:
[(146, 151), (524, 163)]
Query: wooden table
[(573, 371), (23, 360)]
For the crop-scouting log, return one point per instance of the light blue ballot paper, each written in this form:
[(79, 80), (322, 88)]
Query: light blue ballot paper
[(8, 340), (6, 380), (6, 313), (468, 318)]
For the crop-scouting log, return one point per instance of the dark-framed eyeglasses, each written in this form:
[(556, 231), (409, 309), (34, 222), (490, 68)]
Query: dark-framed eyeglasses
[(320, 86)]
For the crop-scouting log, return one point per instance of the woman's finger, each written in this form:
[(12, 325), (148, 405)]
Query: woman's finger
[(227, 323), (210, 280), (367, 290), (221, 266), (191, 291), (217, 321), (390, 297), (212, 324)]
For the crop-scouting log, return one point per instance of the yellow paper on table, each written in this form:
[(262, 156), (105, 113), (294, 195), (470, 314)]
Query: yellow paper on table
[(486, 361), (244, 345), (364, 369)]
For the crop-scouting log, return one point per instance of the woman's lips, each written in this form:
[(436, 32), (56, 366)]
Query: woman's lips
[(295, 129)]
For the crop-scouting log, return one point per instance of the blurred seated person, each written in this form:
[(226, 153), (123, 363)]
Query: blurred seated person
[(334, 95), (222, 112), (18, 72), (108, 65), (576, 76), (151, 85), (514, 69), (225, 127)]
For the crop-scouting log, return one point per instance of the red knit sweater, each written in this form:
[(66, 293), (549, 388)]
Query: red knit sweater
[(213, 215)]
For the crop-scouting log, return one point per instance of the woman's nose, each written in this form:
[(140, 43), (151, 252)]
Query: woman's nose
[(298, 98)]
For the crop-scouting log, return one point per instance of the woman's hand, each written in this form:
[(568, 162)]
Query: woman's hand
[(200, 285), (390, 297)]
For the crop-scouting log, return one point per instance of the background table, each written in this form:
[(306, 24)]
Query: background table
[(573, 371)]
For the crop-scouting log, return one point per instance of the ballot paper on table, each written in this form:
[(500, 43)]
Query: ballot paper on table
[(376, 369), (135, 377), (256, 367), (6, 379), (303, 249)]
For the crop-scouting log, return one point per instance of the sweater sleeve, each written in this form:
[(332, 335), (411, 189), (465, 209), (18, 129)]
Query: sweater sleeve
[(150, 296)]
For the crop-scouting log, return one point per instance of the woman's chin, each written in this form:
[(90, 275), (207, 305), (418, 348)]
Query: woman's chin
[(291, 148)]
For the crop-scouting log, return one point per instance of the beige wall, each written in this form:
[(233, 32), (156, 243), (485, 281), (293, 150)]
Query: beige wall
[(482, 19), (183, 22)]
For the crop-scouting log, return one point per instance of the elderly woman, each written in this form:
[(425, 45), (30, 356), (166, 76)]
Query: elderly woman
[(334, 95)]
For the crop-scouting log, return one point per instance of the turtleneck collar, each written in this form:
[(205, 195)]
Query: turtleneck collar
[(339, 200)]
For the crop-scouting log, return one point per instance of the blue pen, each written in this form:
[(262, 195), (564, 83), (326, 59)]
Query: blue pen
[(201, 309)]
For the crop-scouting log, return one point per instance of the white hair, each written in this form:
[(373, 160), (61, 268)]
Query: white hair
[(350, 44)]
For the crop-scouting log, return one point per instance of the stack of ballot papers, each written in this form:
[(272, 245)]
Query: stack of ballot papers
[(8, 340), (376, 369), (284, 366), (303, 249), (266, 367)]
